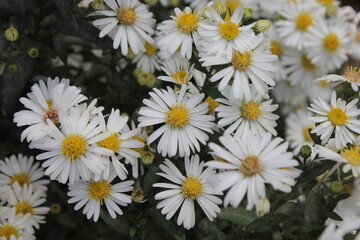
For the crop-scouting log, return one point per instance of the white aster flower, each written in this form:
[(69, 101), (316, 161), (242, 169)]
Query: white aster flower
[(254, 64), (252, 163), (298, 125), (22, 170), (46, 101), (128, 22), (197, 4), (178, 70), (339, 116), (185, 190), (72, 151), (183, 117), (355, 46), (26, 200), (351, 75), (322, 89), (246, 115), (223, 36), (120, 142), (148, 61), (333, 233), (94, 193), (298, 16), (328, 43), (180, 32), (12, 226)]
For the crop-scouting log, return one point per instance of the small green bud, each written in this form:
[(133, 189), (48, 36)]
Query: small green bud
[(138, 195), (262, 25), (11, 34), (336, 187), (33, 52), (147, 157), (97, 4), (12, 67), (305, 151), (220, 7), (248, 14), (55, 208)]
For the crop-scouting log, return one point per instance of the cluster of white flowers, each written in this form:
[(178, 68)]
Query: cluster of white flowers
[(209, 45)]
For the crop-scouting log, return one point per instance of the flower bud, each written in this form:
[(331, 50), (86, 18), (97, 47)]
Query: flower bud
[(138, 195), (33, 52), (336, 187), (263, 207), (220, 7), (11, 34), (12, 67), (262, 25), (305, 151), (55, 208), (248, 14), (97, 4), (147, 157)]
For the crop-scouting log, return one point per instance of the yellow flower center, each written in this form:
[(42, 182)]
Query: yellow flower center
[(307, 65), (178, 116), (229, 30), (353, 74), (326, 2), (357, 38), (250, 166), (24, 208), (21, 178), (212, 104), (352, 155), (276, 48), (192, 187), (337, 116), (99, 190), (181, 76), (74, 146), (233, 4), (307, 135), (187, 22), (140, 139), (331, 43), (251, 110), (113, 142), (126, 16), (303, 21), (242, 61), (150, 50), (8, 230)]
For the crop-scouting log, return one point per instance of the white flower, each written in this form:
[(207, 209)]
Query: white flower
[(333, 233), (339, 116), (128, 22), (351, 75), (298, 17), (148, 61), (221, 36), (181, 31), (254, 64), (183, 117), (12, 226), (178, 70), (72, 152), (94, 193), (298, 125), (23, 170), (197, 4), (355, 45), (26, 200), (193, 186), (252, 163), (328, 44), (120, 142), (46, 101), (247, 115)]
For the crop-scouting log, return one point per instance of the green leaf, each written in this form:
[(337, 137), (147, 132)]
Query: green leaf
[(150, 178), (132, 231), (315, 210), (238, 215), (119, 224), (162, 222)]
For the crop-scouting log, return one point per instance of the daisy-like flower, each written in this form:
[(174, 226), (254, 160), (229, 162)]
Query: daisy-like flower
[(148, 61), (46, 101), (355, 45), (299, 68), (27, 201), (185, 190), (333, 233), (349, 156), (178, 70), (350, 75), (251, 163), (254, 64), (245, 116), (298, 125), (22, 170), (128, 22), (223, 36), (197, 4), (328, 43), (180, 32), (94, 193), (298, 16), (73, 152), (339, 116), (12, 226), (120, 142), (184, 118)]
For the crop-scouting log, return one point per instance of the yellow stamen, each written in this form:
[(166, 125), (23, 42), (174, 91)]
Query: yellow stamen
[(242, 61), (24, 208), (192, 187), (20, 178), (357, 38), (307, 135), (212, 104), (113, 142), (303, 21), (181, 76), (251, 110), (276, 48), (233, 4), (353, 74), (250, 165), (326, 2), (331, 43), (178, 116), (8, 230), (229, 30), (99, 191), (127, 16), (187, 22), (150, 50), (307, 65), (352, 155), (74, 146), (337, 116)]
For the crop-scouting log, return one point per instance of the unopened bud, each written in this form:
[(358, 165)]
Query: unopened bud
[(131, 54), (332, 10), (138, 195), (11, 34), (336, 187), (12, 67), (55, 208), (248, 14), (305, 151), (263, 207), (97, 4), (262, 25), (147, 157), (220, 7), (33, 52)]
